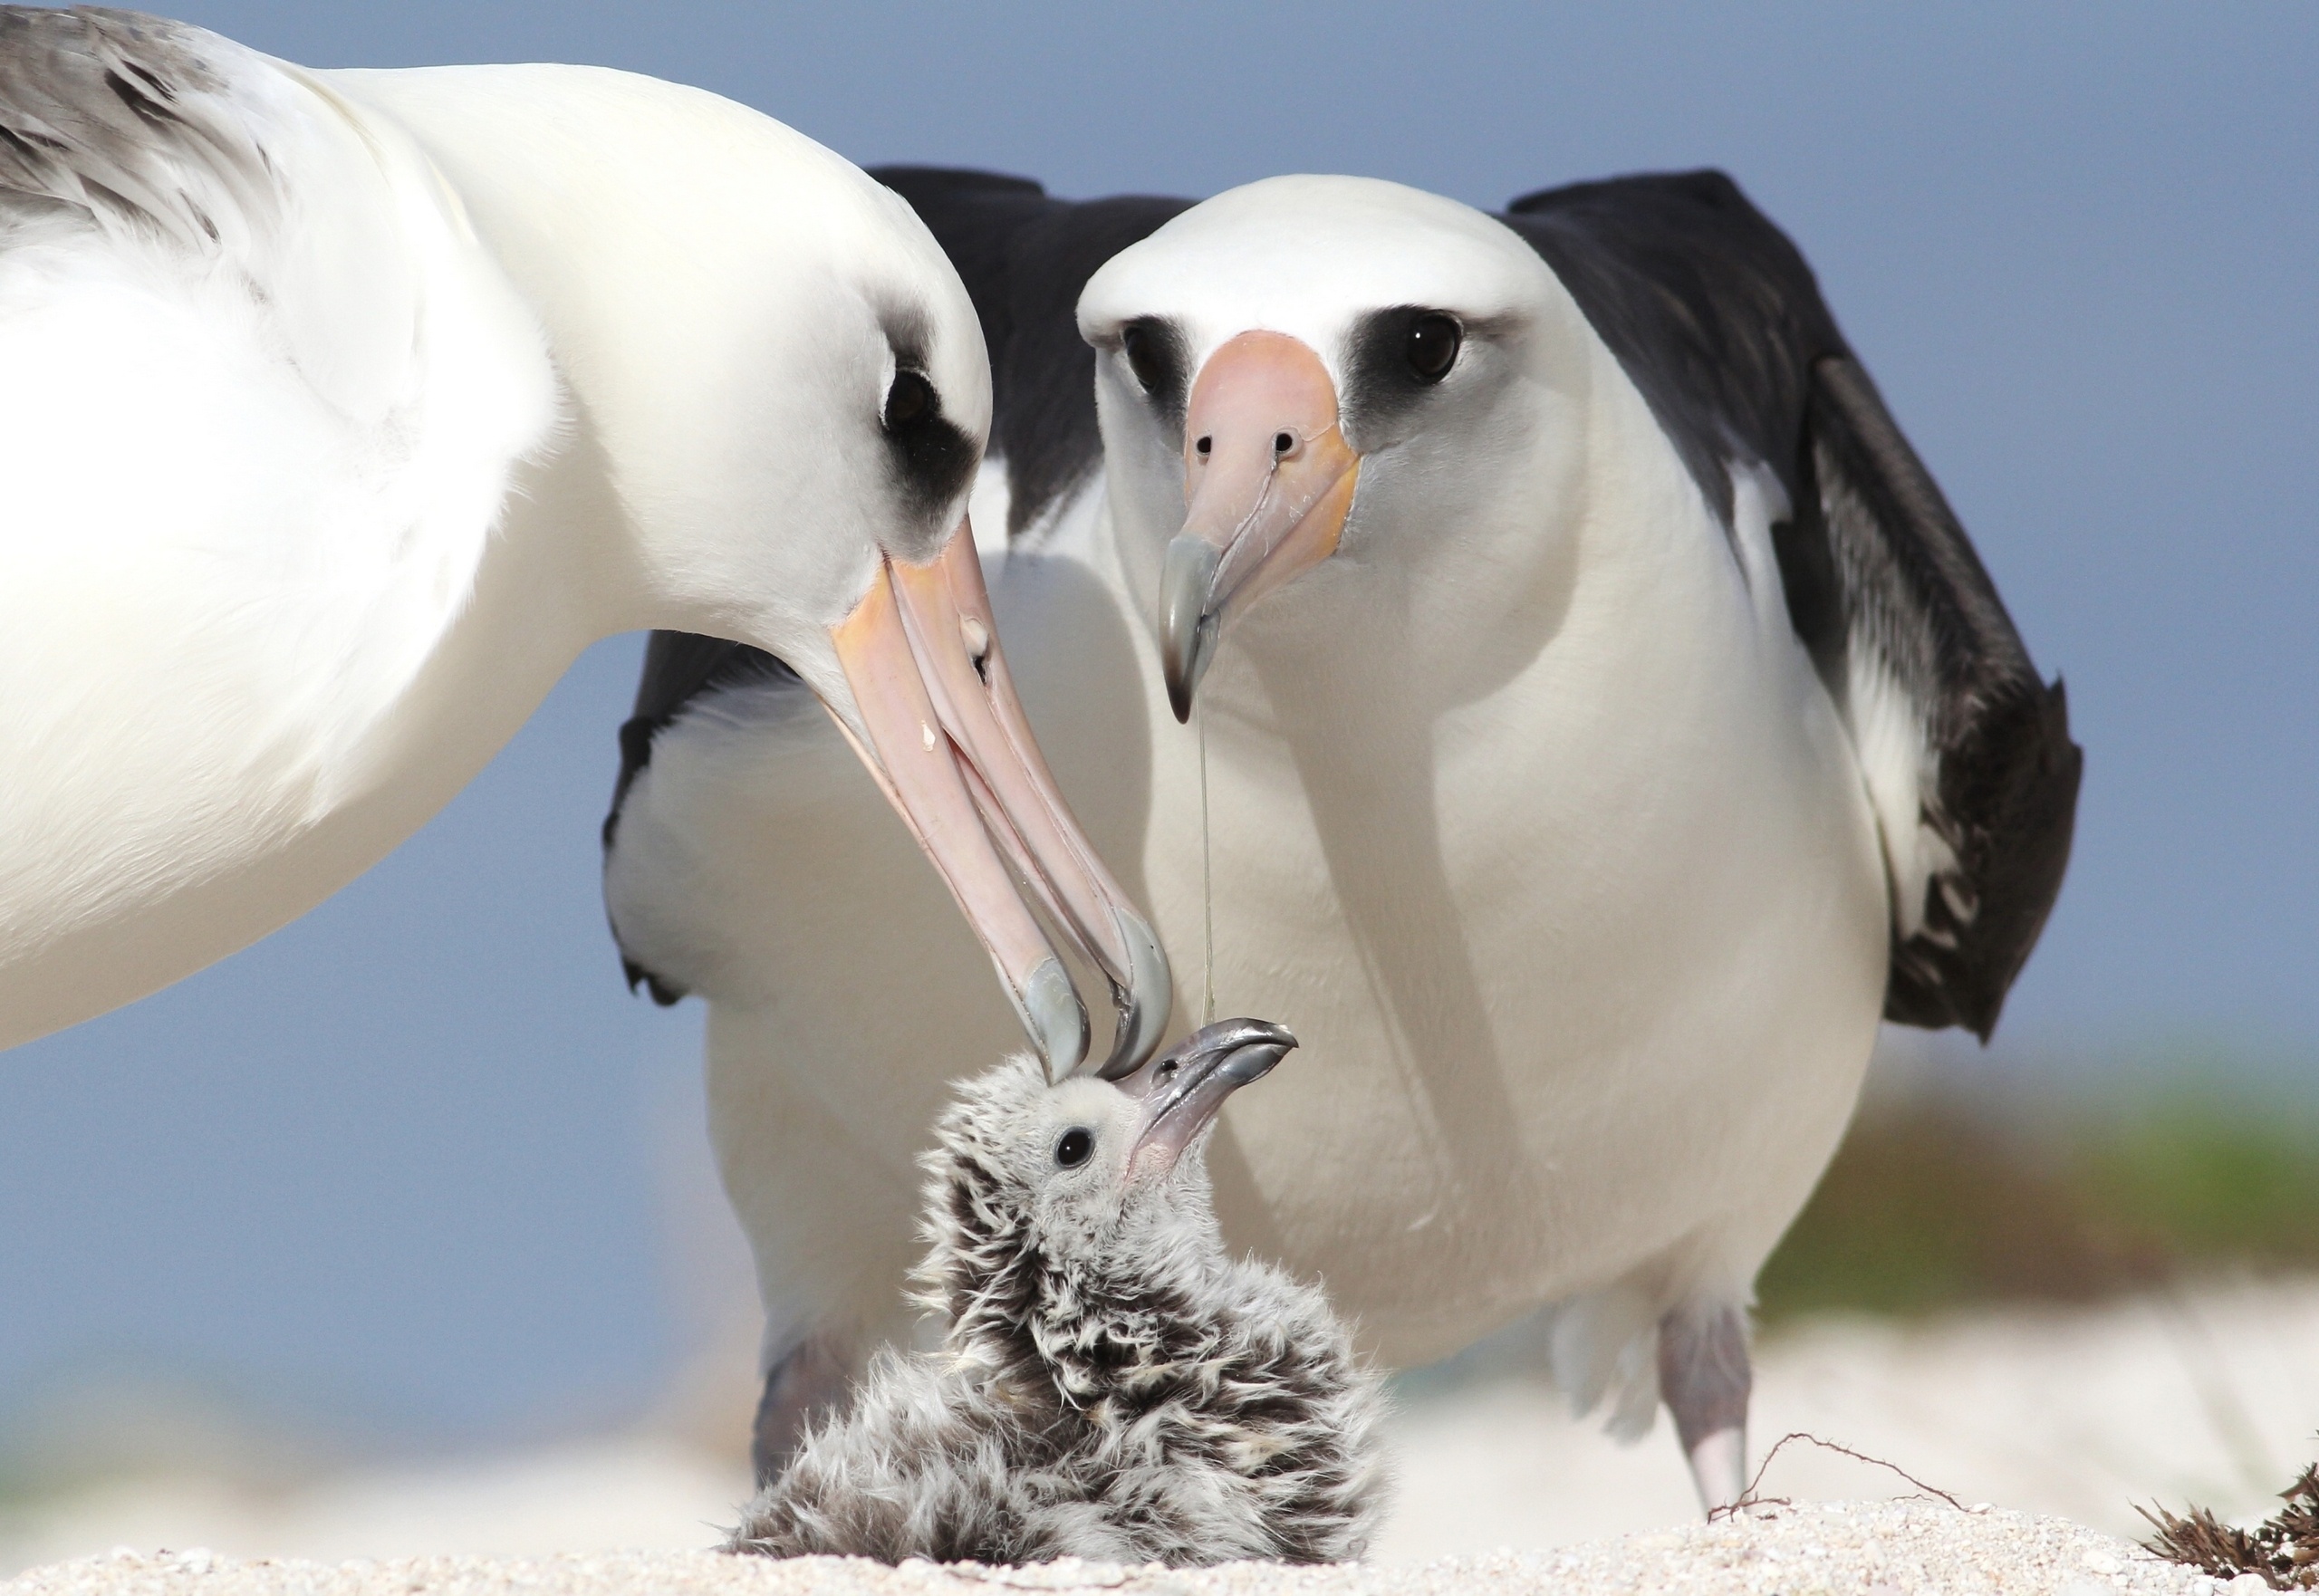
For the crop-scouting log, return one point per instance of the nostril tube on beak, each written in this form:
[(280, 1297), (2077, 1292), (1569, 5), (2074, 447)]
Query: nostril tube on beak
[(1268, 482)]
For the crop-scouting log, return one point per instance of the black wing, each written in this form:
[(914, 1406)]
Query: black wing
[(1718, 321), (680, 670), (1024, 257)]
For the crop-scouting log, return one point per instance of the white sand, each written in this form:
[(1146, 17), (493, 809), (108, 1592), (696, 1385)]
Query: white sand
[(1878, 1549), (2081, 1413), (2076, 1414)]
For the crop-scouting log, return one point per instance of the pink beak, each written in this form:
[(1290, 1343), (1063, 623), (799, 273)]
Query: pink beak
[(949, 744), (1268, 482)]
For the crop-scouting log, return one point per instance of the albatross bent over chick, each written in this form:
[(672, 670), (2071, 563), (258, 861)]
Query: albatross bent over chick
[(343, 410)]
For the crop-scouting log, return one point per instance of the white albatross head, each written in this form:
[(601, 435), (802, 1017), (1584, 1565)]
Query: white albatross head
[(785, 384), (1315, 372), (899, 641)]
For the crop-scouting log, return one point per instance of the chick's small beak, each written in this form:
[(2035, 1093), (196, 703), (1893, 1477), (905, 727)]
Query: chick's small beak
[(1183, 1088), (948, 742), (1268, 482)]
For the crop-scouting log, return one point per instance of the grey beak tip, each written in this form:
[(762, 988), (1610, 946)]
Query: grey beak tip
[(1144, 1004), (1254, 1062), (1248, 1048), (1223, 1035), (1056, 1018), (1187, 630)]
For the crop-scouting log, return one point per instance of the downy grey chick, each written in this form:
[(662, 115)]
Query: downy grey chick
[(1111, 1385)]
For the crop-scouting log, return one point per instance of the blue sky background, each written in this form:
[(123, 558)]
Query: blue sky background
[(395, 1169)]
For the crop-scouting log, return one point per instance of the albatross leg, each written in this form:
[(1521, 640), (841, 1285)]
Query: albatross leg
[(1704, 1377), (805, 1384)]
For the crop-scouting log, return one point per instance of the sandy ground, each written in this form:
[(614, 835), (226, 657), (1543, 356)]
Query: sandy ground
[(2211, 1397), (1878, 1549)]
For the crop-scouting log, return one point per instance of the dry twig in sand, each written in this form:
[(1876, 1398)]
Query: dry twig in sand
[(1747, 1498)]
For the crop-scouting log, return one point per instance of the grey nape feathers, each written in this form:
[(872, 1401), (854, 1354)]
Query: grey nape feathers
[(1111, 1385)]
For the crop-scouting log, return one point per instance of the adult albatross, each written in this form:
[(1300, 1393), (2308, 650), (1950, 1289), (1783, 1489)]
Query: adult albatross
[(1625, 728), (344, 409)]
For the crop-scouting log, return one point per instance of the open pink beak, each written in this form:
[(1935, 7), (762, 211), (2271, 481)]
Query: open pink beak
[(949, 744)]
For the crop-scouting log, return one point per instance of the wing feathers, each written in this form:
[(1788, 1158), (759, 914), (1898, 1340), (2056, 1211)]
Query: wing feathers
[(130, 118), (681, 670), (1716, 317), (1977, 864)]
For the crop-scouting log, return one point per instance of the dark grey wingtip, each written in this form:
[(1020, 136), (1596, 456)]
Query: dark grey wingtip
[(912, 180), (661, 992)]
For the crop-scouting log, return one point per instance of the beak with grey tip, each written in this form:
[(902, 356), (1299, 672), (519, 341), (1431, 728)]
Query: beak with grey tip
[(1268, 482), (1183, 1088), (948, 740)]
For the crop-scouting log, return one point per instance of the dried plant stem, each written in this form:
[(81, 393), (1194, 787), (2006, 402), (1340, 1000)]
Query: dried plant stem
[(1749, 1499)]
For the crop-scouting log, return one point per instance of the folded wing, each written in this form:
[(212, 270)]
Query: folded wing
[(1963, 749)]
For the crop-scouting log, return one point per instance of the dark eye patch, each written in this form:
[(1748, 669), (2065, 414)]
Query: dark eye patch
[(1154, 351), (934, 458), (1074, 1147), (1394, 361), (910, 400)]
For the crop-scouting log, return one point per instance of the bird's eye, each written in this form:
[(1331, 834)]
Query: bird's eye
[(1076, 1143), (1432, 347), (1147, 355), (910, 399)]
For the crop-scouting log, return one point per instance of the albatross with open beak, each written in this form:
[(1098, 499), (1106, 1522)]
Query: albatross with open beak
[(1607, 723), (344, 409)]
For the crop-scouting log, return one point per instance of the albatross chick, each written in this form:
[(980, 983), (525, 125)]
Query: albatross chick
[(1111, 1384)]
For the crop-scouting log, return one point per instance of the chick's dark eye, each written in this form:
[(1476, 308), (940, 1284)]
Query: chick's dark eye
[(910, 399), (1432, 347), (1076, 1143)]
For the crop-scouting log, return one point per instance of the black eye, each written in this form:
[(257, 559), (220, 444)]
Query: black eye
[(1135, 343), (910, 399), (1432, 347), (1149, 355), (1072, 1150)]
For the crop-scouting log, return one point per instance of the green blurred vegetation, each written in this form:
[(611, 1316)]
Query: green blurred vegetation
[(1937, 1201)]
